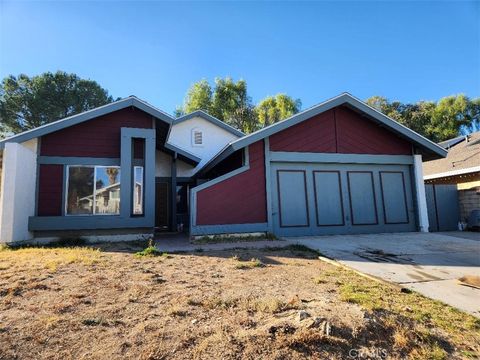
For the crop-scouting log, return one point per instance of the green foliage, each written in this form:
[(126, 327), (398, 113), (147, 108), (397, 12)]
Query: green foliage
[(272, 109), (232, 104), (199, 97), (229, 101), (252, 263), (151, 250), (28, 102), (451, 116)]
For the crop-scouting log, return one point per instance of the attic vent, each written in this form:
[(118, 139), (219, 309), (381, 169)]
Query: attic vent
[(197, 137)]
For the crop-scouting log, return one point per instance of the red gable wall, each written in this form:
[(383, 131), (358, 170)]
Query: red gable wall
[(313, 135), (242, 200), (238, 200), (50, 185), (98, 137), (339, 130)]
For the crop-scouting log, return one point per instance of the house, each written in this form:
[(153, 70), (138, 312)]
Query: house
[(453, 182), (127, 169)]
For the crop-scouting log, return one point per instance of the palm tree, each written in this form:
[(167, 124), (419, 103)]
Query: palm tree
[(112, 175)]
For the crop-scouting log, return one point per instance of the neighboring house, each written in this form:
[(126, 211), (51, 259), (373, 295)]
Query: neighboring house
[(461, 170), (126, 169)]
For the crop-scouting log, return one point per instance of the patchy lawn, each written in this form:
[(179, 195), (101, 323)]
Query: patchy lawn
[(70, 303)]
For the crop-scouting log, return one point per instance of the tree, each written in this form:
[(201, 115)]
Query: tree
[(449, 117), (112, 173), (28, 102), (232, 104), (453, 116), (199, 97), (229, 101), (272, 109)]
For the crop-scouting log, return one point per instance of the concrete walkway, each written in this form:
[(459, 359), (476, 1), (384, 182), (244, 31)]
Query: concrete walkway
[(429, 263)]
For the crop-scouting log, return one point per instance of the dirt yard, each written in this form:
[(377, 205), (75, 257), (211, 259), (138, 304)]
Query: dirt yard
[(108, 303)]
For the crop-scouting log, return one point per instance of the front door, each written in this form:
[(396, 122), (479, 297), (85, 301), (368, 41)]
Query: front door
[(162, 206)]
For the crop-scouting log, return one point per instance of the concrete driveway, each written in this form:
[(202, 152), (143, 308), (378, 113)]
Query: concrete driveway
[(429, 263)]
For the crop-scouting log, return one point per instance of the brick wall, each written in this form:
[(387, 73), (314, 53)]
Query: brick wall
[(468, 201)]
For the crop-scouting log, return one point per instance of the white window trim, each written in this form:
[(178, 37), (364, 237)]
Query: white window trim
[(67, 176), (195, 130)]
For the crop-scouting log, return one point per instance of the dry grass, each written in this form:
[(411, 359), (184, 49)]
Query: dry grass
[(48, 258), (250, 264), (70, 303), (470, 280)]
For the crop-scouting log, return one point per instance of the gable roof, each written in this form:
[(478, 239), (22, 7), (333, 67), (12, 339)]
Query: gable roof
[(463, 158), (342, 99), (202, 114), (88, 115), (451, 142)]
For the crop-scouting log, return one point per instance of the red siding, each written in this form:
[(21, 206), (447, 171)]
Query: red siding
[(314, 135), (50, 184), (238, 200), (98, 137), (139, 148), (358, 135), (339, 130)]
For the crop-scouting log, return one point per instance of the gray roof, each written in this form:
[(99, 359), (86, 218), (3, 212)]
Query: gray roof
[(463, 156), (202, 114), (342, 99), (87, 115)]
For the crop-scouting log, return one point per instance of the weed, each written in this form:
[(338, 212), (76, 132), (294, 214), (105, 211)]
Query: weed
[(93, 321), (298, 249), (391, 301), (252, 263), (150, 251), (215, 239), (176, 310)]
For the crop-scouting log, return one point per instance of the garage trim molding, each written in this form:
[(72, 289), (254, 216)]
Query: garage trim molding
[(280, 156)]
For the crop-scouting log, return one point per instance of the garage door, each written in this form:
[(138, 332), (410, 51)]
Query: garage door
[(321, 199)]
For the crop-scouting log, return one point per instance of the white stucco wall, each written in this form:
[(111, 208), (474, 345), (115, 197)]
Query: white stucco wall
[(163, 166), (18, 186), (214, 138)]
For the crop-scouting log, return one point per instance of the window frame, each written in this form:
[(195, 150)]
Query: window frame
[(132, 210), (94, 167)]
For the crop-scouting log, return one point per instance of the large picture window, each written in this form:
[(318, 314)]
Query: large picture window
[(93, 190)]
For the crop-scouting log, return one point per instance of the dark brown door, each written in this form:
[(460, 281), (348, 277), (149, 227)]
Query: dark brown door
[(162, 214)]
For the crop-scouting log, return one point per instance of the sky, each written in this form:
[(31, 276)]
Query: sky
[(406, 51)]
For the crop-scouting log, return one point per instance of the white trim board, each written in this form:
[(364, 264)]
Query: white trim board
[(452, 173)]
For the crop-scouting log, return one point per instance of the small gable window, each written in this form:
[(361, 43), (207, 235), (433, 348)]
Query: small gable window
[(197, 137)]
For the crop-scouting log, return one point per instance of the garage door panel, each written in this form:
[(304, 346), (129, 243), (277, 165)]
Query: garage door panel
[(328, 198), (363, 203), (394, 197), (292, 198)]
